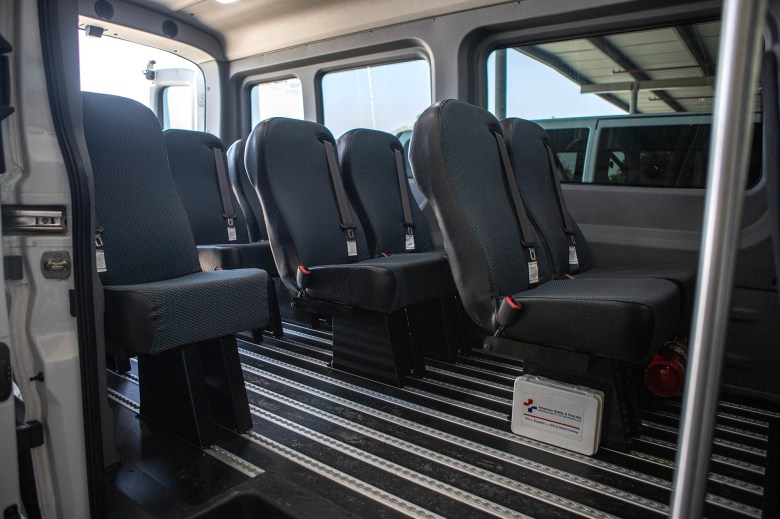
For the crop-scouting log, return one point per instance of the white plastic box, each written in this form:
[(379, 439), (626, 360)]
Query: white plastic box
[(557, 413)]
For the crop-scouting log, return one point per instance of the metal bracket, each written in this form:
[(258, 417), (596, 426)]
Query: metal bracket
[(34, 219)]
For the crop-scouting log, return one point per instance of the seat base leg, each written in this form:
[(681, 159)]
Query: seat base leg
[(225, 382), (375, 345), (187, 390), (275, 324), (118, 363), (433, 325)]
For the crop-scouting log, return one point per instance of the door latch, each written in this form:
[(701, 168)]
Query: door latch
[(56, 264)]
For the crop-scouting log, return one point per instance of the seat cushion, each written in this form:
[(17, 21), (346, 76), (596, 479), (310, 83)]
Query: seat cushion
[(154, 317), (625, 319), (682, 276), (383, 284)]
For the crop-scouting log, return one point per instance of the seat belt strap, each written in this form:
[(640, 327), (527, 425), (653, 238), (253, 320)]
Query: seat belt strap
[(526, 228), (224, 192), (347, 226), (403, 185), (574, 263)]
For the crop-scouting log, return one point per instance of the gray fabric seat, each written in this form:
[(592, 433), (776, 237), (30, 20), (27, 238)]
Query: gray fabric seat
[(157, 297), (368, 163), (286, 162), (174, 311), (527, 143), (193, 166), (457, 165)]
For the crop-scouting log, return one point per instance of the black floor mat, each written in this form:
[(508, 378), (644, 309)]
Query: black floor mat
[(440, 446)]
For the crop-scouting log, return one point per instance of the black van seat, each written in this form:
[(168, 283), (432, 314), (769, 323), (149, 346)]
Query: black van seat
[(160, 305), (375, 176), (294, 167), (368, 162), (572, 330), (192, 158), (529, 149)]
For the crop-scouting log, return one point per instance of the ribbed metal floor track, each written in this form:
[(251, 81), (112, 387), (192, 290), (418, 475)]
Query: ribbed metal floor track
[(441, 446)]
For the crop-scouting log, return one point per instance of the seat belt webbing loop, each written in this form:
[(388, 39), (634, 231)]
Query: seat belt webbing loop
[(526, 228), (341, 199), (403, 186), (574, 263), (224, 192)]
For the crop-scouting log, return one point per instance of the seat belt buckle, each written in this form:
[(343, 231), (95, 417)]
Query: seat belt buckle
[(100, 255), (573, 259), (231, 228), (410, 246), (509, 312), (351, 242), (302, 277), (533, 268)]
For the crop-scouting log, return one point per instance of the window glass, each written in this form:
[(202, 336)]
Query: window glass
[(178, 107), (570, 144), (661, 155), (632, 108), (112, 66), (383, 97), (282, 98)]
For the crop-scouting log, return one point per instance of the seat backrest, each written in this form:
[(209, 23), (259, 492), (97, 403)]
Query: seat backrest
[(286, 162), (368, 164), (194, 169), (527, 145), (245, 192), (456, 162), (146, 234)]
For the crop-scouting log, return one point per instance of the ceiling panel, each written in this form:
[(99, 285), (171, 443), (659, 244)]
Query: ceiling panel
[(250, 27)]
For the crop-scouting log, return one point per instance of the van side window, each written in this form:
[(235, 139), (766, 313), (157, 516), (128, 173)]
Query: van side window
[(570, 146), (283, 98), (168, 84), (661, 156), (382, 97), (631, 109)]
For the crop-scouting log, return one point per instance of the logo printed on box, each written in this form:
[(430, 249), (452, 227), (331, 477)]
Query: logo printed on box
[(553, 416)]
